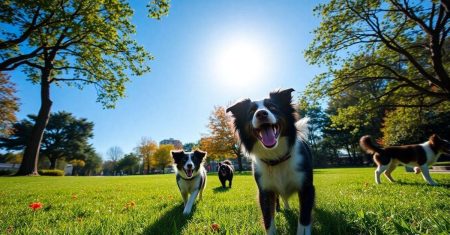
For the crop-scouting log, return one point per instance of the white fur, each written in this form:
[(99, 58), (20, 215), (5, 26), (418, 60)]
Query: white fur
[(303, 230), (431, 157), (189, 189), (271, 117), (272, 229), (283, 178), (302, 128)]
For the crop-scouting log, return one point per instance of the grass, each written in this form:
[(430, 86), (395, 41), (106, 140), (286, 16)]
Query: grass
[(348, 202)]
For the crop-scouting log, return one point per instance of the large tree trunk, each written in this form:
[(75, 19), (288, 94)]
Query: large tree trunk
[(31, 153), (52, 162)]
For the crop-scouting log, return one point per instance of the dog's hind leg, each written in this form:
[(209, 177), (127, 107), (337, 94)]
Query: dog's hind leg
[(190, 203), (426, 175), (391, 167), (380, 169)]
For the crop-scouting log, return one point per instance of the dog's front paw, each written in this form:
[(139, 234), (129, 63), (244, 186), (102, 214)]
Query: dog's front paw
[(303, 229), (186, 212)]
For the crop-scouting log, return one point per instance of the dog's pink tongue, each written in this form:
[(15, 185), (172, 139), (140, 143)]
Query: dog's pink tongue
[(189, 173), (268, 136)]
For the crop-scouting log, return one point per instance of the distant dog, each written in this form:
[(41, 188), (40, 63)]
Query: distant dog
[(420, 156), (226, 173), (282, 161), (190, 175)]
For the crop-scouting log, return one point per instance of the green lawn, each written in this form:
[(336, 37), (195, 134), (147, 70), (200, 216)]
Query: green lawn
[(348, 202)]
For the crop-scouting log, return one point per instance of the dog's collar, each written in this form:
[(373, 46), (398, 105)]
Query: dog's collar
[(277, 161), (188, 178)]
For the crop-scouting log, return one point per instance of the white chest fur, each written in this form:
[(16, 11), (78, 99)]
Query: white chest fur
[(188, 186), (283, 178)]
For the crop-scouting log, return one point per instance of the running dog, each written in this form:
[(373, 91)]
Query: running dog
[(282, 162), (226, 173), (419, 156), (190, 176)]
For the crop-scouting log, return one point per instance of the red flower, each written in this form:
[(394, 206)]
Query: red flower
[(35, 206), (215, 227)]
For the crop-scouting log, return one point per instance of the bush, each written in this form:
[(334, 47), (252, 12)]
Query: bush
[(51, 172), (6, 172)]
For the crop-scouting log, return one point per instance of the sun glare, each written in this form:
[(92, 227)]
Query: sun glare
[(240, 62)]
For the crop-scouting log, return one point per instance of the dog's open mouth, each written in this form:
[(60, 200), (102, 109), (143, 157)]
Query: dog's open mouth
[(189, 172), (268, 134)]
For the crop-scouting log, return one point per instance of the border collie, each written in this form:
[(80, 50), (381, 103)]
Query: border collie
[(282, 161), (420, 156), (225, 173), (190, 175)]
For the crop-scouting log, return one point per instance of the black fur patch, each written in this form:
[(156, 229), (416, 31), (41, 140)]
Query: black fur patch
[(180, 158), (225, 173)]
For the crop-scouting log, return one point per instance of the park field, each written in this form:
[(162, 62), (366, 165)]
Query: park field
[(348, 202)]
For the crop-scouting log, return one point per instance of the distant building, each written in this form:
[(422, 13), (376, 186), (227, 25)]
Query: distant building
[(176, 143)]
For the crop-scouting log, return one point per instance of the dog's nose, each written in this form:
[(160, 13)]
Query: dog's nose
[(189, 166), (262, 114)]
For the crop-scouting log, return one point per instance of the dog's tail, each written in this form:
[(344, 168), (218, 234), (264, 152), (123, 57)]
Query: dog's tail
[(367, 145), (302, 128)]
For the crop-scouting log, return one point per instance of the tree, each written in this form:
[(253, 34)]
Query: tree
[(8, 105), (162, 158), (188, 147), (115, 153), (71, 42), (400, 44), (222, 142), (128, 164), (93, 164), (77, 165), (146, 149), (407, 126), (64, 137)]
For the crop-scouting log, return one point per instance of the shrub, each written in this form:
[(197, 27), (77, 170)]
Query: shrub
[(51, 172), (6, 172)]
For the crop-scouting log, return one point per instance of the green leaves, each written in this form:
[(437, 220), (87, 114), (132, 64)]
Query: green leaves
[(80, 42)]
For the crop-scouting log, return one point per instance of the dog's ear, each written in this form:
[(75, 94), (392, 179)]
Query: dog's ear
[(220, 164), (199, 154), (177, 154), (239, 107), (282, 96)]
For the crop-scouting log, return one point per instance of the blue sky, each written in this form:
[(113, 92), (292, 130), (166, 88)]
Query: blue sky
[(197, 66)]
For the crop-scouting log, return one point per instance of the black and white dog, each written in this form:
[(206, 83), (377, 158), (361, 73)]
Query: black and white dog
[(190, 175), (226, 173), (282, 163)]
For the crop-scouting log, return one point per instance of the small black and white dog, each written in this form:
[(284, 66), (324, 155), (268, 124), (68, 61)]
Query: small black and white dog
[(282, 163), (190, 175), (226, 173)]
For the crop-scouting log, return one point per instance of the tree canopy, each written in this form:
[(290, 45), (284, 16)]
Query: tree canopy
[(64, 137), (71, 42), (221, 142), (8, 105), (399, 45)]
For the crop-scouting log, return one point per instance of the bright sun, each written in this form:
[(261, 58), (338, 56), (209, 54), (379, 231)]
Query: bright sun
[(240, 62)]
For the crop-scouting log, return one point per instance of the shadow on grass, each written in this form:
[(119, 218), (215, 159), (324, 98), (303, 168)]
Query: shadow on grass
[(334, 222), (172, 222), (220, 189), (420, 184), (324, 222)]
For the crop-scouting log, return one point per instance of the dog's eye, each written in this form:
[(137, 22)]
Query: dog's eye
[(271, 107)]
